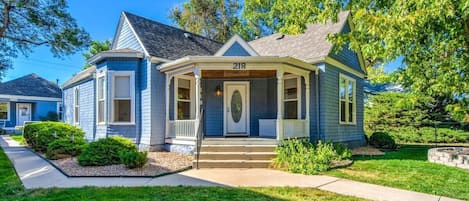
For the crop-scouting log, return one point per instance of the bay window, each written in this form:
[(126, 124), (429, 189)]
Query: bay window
[(101, 99), (347, 100), (123, 97), (291, 97)]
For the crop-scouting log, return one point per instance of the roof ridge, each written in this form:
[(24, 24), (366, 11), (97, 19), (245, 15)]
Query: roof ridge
[(170, 26)]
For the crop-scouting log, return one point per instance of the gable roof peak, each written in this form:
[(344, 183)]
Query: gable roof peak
[(236, 39)]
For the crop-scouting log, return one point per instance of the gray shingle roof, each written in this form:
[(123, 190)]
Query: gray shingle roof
[(31, 85), (309, 46), (82, 75), (168, 42)]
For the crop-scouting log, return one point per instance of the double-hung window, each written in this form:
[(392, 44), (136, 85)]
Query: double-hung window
[(291, 97), (123, 97), (347, 100), (4, 111), (76, 111), (101, 106), (183, 91)]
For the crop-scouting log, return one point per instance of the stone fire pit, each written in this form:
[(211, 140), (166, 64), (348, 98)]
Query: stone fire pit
[(450, 156)]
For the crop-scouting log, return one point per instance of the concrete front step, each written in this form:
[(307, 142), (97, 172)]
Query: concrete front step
[(232, 163), (238, 148), (237, 155)]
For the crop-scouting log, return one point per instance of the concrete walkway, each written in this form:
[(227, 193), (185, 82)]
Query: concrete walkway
[(35, 172)]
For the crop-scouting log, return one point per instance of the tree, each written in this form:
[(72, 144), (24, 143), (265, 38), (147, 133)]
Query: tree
[(215, 19), (25, 25), (431, 36), (95, 48)]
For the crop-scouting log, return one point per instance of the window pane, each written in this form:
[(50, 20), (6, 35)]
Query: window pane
[(184, 89), (350, 91), (342, 89), (291, 110), (184, 110), (350, 112), (342, 111), (3, 107), (77, 97), (122, 110), (101, 88), (77, 114), (3, 115), (101, 111), (290, 91), (122, 88)]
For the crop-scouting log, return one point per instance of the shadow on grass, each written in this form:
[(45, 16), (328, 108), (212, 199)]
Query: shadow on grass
[(406, 152)]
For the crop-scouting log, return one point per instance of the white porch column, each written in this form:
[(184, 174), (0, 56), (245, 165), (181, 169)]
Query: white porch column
[(197, 76), (167, 89), (279, 104), (307, 103)]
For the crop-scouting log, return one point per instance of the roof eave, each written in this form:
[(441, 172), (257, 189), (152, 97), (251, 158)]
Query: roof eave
[(104, 55)]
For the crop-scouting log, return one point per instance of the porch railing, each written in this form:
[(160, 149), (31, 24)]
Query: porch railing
[(182, 129), (294, 128)]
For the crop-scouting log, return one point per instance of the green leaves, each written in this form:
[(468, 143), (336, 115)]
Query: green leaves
[(95, 48)]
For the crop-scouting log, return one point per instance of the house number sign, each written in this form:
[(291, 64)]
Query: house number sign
[(239, 66)]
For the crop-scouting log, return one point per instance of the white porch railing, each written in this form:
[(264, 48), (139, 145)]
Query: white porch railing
[(294, 128), (182, 129)]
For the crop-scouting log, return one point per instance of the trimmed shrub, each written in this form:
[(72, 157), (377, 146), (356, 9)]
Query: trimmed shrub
[(133, 159), (382, 140), (301, 156), (105, 151), (39, 135), (63, 148)]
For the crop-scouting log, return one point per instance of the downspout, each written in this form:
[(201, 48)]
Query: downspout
[(317, 103)]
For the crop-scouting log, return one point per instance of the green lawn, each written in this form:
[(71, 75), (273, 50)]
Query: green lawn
[(409, 169), (18, 138), (11, 189)]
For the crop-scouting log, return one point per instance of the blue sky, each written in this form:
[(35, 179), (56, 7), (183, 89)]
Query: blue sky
[(99, 18)]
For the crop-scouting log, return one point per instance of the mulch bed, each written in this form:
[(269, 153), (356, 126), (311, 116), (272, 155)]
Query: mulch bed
[(158, 163)]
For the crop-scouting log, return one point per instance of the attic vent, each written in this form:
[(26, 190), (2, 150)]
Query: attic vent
[(281, 37), (187, 35)]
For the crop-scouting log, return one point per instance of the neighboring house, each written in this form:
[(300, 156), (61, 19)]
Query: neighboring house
[(160, 85), (28, 98)]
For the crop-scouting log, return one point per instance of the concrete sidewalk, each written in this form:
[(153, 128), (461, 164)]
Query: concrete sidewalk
[(35, 172)]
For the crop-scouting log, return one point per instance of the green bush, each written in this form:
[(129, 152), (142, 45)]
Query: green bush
[(105, 151), (382, 140), (301, 156), (63, 148), (133, 159), (39, 135)]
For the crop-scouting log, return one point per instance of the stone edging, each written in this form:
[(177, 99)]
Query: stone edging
[(437, 155)]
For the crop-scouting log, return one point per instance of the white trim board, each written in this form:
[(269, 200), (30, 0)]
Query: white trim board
[(33, 98), (232, 41)]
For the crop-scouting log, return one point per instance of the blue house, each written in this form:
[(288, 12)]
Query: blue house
[(162, 86), (29, 98)]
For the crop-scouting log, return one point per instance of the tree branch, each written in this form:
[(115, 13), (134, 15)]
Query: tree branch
[(6, 14), (25, 40)]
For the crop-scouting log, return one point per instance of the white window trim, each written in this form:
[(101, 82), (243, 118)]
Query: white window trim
[(76, 107), (101, 74), (354, 101), (8, 111), (192, 95), (113, 74), (59, 105), (298, 93)]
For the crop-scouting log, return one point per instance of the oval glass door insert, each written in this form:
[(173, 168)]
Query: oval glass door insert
[(236, 106)]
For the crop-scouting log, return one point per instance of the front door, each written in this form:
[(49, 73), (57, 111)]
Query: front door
[(236, 108), (23, 113)]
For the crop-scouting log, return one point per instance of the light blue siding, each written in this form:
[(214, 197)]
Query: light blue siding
[(346, 55), (87, 116), (236, 50), (329, 107), (126, 38)]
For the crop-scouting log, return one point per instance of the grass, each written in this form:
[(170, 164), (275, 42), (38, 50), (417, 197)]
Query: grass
[(18, 138), (409, 169), (11, 189)]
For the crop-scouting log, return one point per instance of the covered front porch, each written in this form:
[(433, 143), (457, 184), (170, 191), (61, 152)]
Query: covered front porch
[(255, 97)]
